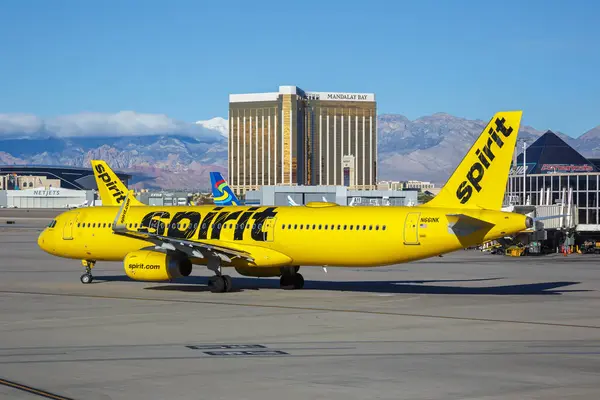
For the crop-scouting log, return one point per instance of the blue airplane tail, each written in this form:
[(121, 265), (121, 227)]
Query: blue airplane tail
[(222, 193)]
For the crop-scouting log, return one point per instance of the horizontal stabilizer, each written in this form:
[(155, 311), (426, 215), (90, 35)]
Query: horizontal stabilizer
[(464, 225)]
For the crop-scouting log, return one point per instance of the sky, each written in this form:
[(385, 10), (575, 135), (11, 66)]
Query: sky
[(183, 58)]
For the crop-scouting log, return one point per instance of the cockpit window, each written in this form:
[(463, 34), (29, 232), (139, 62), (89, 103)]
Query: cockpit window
[(52, 224)]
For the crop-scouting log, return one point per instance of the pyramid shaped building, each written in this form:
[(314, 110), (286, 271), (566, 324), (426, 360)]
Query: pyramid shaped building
[(551, 154)]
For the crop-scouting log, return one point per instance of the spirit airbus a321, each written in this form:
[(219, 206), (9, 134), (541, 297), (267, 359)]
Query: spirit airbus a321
[(160, 243)]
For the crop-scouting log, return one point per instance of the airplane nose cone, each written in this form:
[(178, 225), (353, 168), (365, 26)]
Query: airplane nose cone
[(43, 241)]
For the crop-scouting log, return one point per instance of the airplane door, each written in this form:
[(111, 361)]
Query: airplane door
[(69, 224), (269, 229), (411, 228)]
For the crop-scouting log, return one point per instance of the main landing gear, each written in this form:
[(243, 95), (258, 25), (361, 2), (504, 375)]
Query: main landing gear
[(218, 283), (88, 265), (290, 278)]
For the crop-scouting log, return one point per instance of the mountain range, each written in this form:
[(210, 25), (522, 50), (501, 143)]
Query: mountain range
[(170, 155)]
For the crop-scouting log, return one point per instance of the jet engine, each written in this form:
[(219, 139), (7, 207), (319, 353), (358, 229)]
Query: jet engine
[(259, 272), (148, 265)]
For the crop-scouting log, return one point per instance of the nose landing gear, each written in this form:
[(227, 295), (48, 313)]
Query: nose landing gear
[(88, 265)]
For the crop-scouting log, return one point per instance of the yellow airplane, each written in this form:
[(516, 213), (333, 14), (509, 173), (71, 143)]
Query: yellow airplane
[(160, 243)]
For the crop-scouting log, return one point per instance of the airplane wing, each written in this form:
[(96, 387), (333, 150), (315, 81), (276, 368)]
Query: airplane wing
[(196, 249), (464, 225)]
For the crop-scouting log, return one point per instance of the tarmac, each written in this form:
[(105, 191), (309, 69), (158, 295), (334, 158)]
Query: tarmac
[(468, 325)]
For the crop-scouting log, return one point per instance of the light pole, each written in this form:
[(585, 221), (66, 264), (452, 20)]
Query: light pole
[(524, 172)]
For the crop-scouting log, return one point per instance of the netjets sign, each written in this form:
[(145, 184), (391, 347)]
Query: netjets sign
[(340, 96), (45, 193)]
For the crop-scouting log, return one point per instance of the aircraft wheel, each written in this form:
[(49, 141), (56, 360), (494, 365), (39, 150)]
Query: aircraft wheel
[(228, 283), (298, 281), (217, 284), (86, 278), (286, 281)]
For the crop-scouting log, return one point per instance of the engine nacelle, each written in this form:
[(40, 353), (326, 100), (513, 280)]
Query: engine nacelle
[(148, 265), (259, 271)]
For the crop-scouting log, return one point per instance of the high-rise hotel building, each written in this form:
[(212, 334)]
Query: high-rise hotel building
[(293, 137)]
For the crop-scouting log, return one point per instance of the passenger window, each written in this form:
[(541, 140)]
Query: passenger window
[(346, 225), (319, 226), (383, 228), (289, 226), (351, 227), (325, 227), (89, 224), (314, 226), (295, 226), (376, 227), (78, 224), (364, 227), (282, 226), (338, 227), (370, 227)]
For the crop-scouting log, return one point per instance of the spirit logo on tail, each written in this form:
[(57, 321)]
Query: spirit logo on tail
[(485, 158), (110, 180)]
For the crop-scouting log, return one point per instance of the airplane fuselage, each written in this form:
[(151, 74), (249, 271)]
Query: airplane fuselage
[(317, 235)]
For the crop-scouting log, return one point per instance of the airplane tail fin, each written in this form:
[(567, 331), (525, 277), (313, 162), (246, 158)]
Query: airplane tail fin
[(222, 193), (480, 179), (112, 191)]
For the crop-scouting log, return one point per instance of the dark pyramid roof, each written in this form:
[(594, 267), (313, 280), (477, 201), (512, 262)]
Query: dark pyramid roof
[(552, 154)]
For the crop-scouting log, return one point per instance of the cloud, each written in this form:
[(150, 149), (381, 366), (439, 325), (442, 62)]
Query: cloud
[(20, 123), (91, 124)]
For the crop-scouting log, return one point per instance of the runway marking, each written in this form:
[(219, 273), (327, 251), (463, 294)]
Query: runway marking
[(238, 353), (225, 346), (29, 389), (275, 306)]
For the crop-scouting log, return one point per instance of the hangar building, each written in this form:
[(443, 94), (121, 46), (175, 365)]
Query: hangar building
[(76, 178), (37, 186)]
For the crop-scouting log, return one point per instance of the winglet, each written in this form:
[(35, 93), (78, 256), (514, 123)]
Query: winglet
[(119, 222)]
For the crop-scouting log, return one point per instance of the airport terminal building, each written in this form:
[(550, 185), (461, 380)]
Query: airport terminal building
[(557, 176), (293, 137)]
